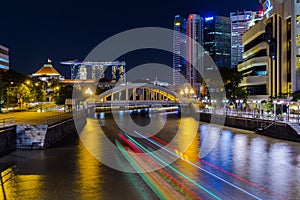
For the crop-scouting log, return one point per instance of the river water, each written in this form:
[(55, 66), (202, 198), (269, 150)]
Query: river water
[(241, 165)]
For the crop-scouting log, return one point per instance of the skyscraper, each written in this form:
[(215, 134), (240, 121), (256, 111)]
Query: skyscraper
[(241, 21), (4, 58), (194, 52), (179, 51), (217, 39)]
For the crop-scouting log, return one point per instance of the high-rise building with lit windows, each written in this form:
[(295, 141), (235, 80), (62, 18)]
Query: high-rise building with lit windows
[(194, 51), (4, 58), (217, 40), (179, 51), (241, 21)]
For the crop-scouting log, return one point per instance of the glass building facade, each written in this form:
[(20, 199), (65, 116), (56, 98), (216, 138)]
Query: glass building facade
[(217, 40)]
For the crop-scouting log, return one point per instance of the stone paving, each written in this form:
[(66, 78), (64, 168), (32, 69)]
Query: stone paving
[(33, 118)]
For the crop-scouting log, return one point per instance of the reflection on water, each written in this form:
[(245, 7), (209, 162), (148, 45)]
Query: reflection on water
[(90, 178), (266, 167), (29, 185)]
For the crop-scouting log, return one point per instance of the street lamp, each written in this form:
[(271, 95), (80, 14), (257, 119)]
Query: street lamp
[(88, 91), (279, 102), (238, 101), (298, 108), (288, 111), (225, 102), (258, 105), (186, 91), (274, 104), (181, 92), (213, 103)]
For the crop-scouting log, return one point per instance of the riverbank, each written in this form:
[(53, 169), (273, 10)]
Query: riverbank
[(275, 129), (37, 130)]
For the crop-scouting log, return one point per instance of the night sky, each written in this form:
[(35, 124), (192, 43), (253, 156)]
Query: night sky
[(63, 29)]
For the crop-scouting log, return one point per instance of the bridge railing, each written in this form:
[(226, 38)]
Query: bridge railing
[(138, 102), (9, 121)]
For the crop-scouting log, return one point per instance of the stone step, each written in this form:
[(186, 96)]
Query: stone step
[(295, 126)]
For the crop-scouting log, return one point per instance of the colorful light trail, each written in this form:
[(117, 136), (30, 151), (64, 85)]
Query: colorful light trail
[(200, 168), (217, 168)]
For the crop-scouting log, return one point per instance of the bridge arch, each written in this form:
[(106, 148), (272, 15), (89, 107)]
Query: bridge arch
[(139, 92)]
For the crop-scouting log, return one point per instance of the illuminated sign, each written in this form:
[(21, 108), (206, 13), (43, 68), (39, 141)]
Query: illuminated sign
[(269, 7), (177, 24), (209, 18), (248, 17)]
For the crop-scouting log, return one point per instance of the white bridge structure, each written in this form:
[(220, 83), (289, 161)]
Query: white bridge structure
[(139, 95)]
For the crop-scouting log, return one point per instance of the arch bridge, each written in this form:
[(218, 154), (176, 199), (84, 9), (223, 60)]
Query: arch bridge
[(140, 94)]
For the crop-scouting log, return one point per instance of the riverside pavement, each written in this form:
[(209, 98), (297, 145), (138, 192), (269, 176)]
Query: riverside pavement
[(33, 117)]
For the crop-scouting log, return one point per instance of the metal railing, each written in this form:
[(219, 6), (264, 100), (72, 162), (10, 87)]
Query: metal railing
[(251, 114), (62, 117), (9, 121), (57, 118)]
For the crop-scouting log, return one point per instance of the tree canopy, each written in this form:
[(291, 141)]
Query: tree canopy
[(232, 79)]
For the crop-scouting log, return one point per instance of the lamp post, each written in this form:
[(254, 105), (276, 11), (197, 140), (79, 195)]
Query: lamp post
[(279, 102), (238, 101), (225, 102), (258, 106), (274, 104), (186, 91), (288, 111), (213, 103), (298, 109)]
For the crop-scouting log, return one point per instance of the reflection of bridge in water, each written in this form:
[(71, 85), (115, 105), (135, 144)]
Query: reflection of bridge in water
[(138, 95)]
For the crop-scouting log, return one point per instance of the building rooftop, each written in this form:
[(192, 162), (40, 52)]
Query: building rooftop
[(47, 70)]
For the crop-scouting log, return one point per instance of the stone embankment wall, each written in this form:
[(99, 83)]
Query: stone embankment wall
[(59, 130), (7, 139), (264, 127), (44, 136)]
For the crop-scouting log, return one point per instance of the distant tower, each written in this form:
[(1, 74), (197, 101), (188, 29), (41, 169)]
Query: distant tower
[(194, 53), (179, 51)]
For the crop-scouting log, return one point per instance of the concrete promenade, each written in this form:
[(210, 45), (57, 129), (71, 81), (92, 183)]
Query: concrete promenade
[(34, 118)]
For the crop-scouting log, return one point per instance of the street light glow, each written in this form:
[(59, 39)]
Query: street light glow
[(88, 91)]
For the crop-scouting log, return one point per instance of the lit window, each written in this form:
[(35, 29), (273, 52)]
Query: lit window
[(298, 19), (298, 39)]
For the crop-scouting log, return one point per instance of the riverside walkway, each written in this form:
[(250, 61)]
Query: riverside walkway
[(34, 118)]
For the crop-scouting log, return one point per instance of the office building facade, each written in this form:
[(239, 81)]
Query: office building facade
[(179, 51), (281, 41), (241, 21), (217, 40), (194, 51), (4, 58), (256, 62)]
